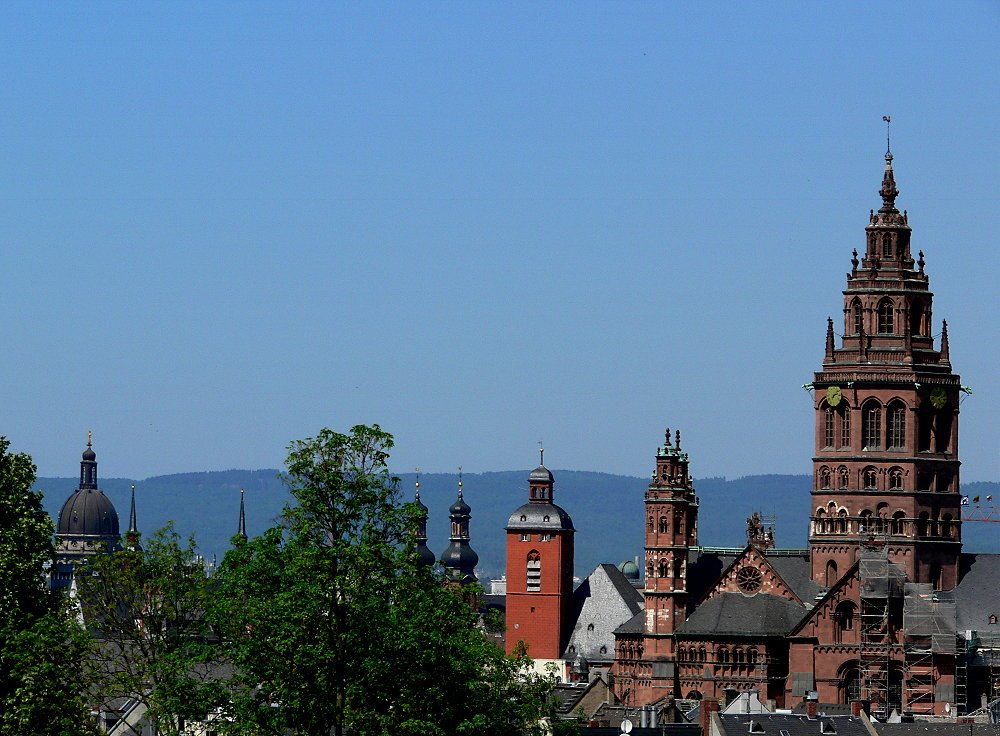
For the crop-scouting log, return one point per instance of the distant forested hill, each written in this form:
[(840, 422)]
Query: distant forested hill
[(606, 509)]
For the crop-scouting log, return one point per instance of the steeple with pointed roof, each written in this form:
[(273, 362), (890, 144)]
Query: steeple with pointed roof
[(459, 558), (424, 555)]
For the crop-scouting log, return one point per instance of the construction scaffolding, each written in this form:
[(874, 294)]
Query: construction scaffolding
[(881, 591), (929, 623)]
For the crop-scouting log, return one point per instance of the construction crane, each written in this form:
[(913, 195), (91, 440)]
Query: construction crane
[(973, 510)]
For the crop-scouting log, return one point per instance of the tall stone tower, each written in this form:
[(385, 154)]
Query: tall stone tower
[(539, 571), (887, 401), (671, 530)]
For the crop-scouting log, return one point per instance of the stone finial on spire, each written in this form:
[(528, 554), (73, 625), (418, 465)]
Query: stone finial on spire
[(888, 191), (90, 436), (666, 440), (460, 481), (829, 337), (677, 438), (945, 352), (242, 531), (416, 484), (541, 454)]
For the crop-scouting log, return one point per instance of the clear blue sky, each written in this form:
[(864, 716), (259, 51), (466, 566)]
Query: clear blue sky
[(227, 225)]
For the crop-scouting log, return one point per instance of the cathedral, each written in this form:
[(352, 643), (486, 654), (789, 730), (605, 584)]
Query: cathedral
[(881, 610)]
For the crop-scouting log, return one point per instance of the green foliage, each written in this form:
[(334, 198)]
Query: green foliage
[(152, 643), (40, 642), (333, 627)]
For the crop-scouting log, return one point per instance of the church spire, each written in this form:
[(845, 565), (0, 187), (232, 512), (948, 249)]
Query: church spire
[(133, 527), (888, 191), (242, 531)]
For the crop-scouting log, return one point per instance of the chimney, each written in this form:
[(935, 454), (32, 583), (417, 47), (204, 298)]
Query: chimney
[(858, 707), (708, 707), (812, 704)]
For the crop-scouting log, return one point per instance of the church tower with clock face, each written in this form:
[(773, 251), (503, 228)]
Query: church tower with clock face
[(885, 471)]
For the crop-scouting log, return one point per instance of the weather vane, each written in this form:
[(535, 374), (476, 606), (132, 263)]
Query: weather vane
[(887, 119)]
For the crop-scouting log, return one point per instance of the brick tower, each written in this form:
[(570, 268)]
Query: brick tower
[(539, 571), (886, 462)]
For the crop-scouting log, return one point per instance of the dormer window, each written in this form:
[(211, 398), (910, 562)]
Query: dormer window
[(993, 619)]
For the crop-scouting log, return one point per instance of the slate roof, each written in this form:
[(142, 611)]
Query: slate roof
[(600, 604), (635, 625), (736, 614), (539, 516), (794, 568), (978, 595), (783, 724), (943, 729)]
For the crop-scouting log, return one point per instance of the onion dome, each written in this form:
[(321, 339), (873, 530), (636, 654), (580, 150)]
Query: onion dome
[(460, 559), (424, 555)]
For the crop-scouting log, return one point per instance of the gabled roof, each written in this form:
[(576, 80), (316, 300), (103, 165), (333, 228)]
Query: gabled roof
[(978, 595), (736, 614), (635, 625), (773, 724), (848, 578), (600, 604)]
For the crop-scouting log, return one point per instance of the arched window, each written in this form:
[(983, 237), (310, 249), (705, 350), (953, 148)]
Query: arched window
[(896, 439), (819, 526), (897, 523), (845, 424), (828, 426), (869, 478), (885, 317), (944, 481), (650, 523), (738, 656), (752, 656), (946, 526), (678, 522), (923, 523), (842, 521), (844, 477), (693, 695), (887, 246), (895, 479), (662, 569), (831, 573), (723, 655), (871, 426), (649, 569), (865, 526), (850, 685), (857, 314), (663, 525), (702, 654), (534, 572), (824, 477), (844, 623)]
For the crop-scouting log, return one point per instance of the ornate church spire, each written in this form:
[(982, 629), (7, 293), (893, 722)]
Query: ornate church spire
[(460, 559), (424, 555)]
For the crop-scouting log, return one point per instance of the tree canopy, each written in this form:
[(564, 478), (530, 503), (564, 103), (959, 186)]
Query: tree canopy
[(333, 627), (41, 645)]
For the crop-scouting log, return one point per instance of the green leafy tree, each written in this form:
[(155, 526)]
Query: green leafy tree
[(41, 645), (333, 627), (146, 607)]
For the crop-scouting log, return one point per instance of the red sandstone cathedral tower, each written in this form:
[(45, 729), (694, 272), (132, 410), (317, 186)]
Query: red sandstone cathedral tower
[(539, 571), (886, 463)]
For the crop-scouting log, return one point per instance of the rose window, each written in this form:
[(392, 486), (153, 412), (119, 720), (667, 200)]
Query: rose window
[(749, 580)]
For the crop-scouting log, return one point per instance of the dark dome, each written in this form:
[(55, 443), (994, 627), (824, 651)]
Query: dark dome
[(629, 569), (88, 511), (540, 516), (424, 555), (460, 507), (89, 454), (543, 474)]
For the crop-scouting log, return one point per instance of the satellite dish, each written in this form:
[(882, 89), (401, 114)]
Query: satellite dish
[(626, 725)]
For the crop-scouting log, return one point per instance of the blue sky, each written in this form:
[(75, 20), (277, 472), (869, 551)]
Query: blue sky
[(227, 225)]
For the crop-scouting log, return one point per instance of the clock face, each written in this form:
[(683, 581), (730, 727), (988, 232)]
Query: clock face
[(833, 395), (749, 579), (938, 398)]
